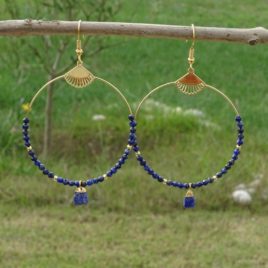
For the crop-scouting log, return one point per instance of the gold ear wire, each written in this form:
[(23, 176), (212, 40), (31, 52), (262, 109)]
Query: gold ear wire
[(191, 51), (79, 50), (190, 83)]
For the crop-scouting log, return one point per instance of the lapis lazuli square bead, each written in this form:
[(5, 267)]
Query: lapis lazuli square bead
[(80, 198), (189, 202)]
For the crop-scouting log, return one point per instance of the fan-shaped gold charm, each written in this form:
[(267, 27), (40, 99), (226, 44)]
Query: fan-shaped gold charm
[(79, 77), (190, 83)]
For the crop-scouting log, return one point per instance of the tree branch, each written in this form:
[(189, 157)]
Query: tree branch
[(251, 36)]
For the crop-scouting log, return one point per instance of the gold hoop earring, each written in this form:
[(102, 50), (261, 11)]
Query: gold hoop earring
[(190, 84), (78, 77)]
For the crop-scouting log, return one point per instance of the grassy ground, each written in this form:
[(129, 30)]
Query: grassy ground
[(84, 238), (132, 221)]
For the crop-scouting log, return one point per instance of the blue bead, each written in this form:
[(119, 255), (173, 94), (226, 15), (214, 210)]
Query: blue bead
[(42, 167), (160, 179), (25, 127), (25, 133), (238, 118), (26, 120), (240, 136), (240, 125), (236, 152), (117, 166), (136, 148), (126, 152), (125, 156), (189, 202), (139, 158), (133, 130), (109, 173), (219, 174), (142, 162), (80, 198), (27, 144), (121, 161), (155, 175), (193, 185), (224, 170), (37, 163), (51, 175), (71, 183), (132, 123), (132, 136), (227, 166), (205, 182), (131, 117), (180, 185), (234, 157), (240, 142), (231, 162), (26, 139), (146, 168), (131, 142), (210, 180), (100, 179), (150, 171), (113, 170), (33, 158), (89, 182), (60, 180), (199, 184), (45, 172), (65, 181), (240, 131), (31, 153)]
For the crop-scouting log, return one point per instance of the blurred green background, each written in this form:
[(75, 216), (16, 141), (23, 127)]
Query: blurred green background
[(132, 221)]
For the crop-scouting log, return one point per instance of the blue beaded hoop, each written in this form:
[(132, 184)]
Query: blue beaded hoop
[(190, 84), (78, 77)]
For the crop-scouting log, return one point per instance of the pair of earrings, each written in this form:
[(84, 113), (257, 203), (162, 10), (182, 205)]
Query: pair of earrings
[(189, 84)]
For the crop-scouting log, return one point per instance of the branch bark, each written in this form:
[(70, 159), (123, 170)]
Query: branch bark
[(251, 36)]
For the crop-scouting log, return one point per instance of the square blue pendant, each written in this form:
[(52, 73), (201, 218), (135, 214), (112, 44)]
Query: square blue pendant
[(189, 202), (80, 196)]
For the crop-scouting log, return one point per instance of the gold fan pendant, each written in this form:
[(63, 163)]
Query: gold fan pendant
[(79, 77), (190, 83)]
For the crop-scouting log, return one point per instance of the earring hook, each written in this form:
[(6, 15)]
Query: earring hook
[(79, 50), (193, 39), (78, 29), (191, 58)]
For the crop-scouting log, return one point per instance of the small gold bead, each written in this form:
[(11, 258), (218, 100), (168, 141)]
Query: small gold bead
[(29, 148), (165, 181), (138, 153), (238, 147), (55, 178), (214, 177), (129, 147), (105, 176), (26, 107)]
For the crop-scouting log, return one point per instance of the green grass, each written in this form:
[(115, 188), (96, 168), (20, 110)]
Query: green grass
[(131, 220), (86, 238)]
